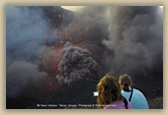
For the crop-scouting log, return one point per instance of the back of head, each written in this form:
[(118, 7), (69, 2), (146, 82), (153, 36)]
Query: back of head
[(125, 81), (109, 90)]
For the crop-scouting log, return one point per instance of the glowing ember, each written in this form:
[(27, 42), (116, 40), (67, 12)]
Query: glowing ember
[(70, 25)]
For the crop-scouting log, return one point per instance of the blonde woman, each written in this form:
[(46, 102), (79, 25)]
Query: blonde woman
[(109, 94)]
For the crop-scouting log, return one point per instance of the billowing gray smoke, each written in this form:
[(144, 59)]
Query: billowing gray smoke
[(125, 39), (25, 43), (136, 38), (76, 63)]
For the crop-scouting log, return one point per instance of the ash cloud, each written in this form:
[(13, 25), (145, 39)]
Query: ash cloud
[(125, 39), (136, 37), (76, 63), (26, 34)]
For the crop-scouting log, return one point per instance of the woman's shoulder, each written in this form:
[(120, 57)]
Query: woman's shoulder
[(138, 92), (118, 105)]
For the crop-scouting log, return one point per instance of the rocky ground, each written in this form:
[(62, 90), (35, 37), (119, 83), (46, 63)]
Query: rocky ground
[(79, 95)]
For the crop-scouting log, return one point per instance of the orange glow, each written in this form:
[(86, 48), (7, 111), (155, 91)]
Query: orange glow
[(63, 16), (53, 10), (80, 33), (70, 25), (95, 33), (59, 15), (40, 22), (87, 28), (18, 25), (50, 25), (92, 10), (58, 28), (105, 52), (59, 74), (53, 6), (47, 57), (47, 23), (50, 84), (47, 16), (40, 56), (66, 33), (71, 38)]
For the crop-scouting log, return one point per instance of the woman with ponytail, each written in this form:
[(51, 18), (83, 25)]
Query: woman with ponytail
[(135, 96), (109, 94)]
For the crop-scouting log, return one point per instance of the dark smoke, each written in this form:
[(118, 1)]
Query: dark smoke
[(76, 63), (122, 39), (136, 38)]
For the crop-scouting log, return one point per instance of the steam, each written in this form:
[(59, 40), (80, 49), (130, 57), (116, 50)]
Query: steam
[(76, 63)]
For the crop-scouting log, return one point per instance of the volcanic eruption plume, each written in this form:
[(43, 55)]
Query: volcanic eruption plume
[(76, 63), (121, 39)]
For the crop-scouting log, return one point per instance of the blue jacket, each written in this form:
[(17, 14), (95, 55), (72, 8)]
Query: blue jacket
[(138, 100)]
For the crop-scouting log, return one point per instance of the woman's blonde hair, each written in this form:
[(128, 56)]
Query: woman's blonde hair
[(109, 91), (125, 81)]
